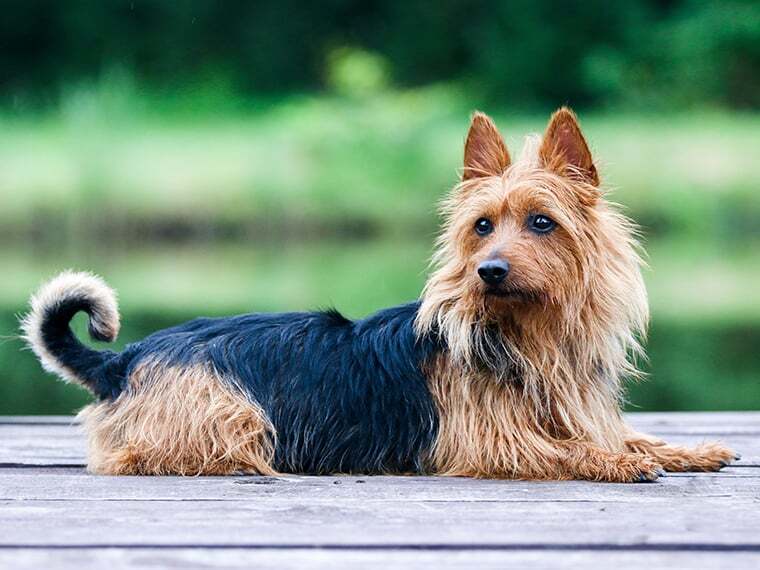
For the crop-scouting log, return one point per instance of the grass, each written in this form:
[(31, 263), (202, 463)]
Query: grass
[(384, 161)]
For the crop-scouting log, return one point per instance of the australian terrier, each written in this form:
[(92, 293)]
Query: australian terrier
[(510, 365)]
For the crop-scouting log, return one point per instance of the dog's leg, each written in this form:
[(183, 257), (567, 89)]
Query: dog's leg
[(708, 456), (178, 421), (587, 461)]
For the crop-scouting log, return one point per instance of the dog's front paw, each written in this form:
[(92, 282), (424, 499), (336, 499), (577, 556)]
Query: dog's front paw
[(649, 475), (636, 469), (709, 456), (648, 471)]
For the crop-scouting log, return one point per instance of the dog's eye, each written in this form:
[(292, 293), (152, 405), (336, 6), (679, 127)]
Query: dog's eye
[(541, 224), (483, 226)]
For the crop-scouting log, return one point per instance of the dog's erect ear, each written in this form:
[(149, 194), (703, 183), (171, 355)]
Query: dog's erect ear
[(564, 150), (485, 153)]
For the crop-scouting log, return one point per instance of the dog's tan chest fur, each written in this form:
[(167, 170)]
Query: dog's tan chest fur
[(495, 428)]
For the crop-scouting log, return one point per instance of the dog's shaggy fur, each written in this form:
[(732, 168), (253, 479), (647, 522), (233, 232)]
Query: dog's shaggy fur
[(515, 377)]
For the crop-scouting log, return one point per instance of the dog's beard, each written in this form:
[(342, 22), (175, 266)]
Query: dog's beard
[(492, 353), (496, 298)]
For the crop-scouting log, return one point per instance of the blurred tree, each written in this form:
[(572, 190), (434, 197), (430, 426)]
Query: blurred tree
[(517, 52)]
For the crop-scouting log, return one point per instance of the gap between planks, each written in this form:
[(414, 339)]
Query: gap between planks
[(467, 547)]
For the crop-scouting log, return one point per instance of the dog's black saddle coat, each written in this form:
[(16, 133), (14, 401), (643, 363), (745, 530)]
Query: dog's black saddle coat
[(343, 396)]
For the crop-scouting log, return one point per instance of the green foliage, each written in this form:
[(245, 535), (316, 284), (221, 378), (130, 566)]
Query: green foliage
[(356, 73), (706, 52), (521, 53)]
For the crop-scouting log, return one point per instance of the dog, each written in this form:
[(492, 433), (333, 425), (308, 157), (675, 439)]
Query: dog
[(511, 364)]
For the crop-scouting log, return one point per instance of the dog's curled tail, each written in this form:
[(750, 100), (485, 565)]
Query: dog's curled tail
[(46, 330)]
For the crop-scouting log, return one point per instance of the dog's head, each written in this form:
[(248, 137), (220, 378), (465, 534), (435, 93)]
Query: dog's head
[(531, 244)]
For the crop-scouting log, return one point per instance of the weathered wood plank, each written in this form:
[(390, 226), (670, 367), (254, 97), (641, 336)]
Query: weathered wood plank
[(25, 485), (318, 559), (41, 444), (711, 423), (38, 420), (59, 516), (746, 445), (60, 443), (688, 521)]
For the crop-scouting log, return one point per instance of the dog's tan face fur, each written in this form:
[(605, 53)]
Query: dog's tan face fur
[(582, 276), (545, 268)]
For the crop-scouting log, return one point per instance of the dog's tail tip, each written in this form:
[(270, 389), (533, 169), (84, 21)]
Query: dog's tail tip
[(46, 326)]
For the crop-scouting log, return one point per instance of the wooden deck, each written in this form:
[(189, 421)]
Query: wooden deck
[(54, 515)]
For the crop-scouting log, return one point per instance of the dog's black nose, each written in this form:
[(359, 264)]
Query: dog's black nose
[(493, 271)]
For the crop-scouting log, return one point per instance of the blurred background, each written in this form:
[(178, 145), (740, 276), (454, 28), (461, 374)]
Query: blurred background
[(216, 157)]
